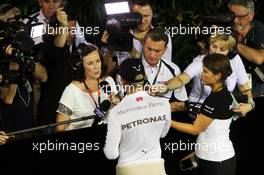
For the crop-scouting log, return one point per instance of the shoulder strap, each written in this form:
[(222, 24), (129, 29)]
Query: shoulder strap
[(169, 67)]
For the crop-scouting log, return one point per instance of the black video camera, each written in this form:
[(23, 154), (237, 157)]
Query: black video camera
[(120, 20), (19, 36)]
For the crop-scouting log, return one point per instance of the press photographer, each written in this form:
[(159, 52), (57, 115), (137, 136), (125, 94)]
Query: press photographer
[(19, 69), (140, 17), (250, 42)]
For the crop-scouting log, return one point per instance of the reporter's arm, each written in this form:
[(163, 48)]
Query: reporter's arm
[(61, 118), (178, 81), (200, 124)]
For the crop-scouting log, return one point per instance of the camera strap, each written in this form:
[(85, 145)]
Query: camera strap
[(28, 89)]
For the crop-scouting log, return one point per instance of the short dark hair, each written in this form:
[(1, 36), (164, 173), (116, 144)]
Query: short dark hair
[(218, 63), (157, 34)]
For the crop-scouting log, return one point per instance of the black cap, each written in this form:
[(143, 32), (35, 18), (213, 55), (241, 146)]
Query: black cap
[(132, 70)]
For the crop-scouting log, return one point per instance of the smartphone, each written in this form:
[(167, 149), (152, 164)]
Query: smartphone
[(188, 164)]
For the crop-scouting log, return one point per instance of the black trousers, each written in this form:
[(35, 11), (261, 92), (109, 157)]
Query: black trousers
[(226, 167)]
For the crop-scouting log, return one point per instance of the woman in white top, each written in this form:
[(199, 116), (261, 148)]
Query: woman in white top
[(222, 44), (213, 146), (84, 95)]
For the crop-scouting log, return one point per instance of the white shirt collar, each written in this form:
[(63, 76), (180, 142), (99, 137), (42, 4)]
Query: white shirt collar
[(42, 18)]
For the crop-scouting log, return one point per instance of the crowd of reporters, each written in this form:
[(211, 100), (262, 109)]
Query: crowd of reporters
[(70, 70)]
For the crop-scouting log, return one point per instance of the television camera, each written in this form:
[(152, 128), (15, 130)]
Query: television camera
[(120, 20), (20, 37)]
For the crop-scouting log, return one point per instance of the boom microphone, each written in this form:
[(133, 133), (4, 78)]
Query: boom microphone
[(50, 125)]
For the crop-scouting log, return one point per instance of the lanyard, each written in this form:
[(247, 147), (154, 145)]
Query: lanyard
[(90, 93), (155, 79)]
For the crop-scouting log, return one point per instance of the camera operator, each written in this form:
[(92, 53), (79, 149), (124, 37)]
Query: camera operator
[(47, 15), (250, 34), (145, 8), (58, 61), (17, 103)]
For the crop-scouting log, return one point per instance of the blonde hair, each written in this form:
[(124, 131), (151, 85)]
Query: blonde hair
[(229, 40)]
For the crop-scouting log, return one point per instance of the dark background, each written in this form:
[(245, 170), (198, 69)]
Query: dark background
[(17, 155), (167, 12)]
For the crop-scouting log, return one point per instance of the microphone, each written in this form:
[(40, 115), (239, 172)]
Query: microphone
[(105, 86), (50, 125), (101, 111)]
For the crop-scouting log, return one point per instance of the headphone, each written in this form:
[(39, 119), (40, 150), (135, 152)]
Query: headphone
[(78, 55)]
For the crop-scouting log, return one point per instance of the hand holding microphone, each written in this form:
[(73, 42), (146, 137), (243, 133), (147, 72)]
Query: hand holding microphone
[(101, 111), (114, 98)]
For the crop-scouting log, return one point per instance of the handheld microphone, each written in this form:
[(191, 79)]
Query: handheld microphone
[(105, 86), (101, 111)]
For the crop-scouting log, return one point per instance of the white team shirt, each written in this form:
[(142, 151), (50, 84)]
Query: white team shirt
[(135, 127)]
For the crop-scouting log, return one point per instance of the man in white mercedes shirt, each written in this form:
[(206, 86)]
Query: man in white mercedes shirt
[(136, 125)]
